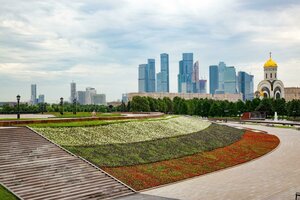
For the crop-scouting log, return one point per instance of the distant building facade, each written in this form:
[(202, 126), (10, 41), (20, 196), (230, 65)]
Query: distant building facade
[(146, 79), (33, 99), (162, 77), (202, 86), (246, 85), (73, 92), (291, 93), (89, 92), (227, 79), (213, 79), (185, 73), (81, 97), (41, 98), (271, 86), (99, 99)]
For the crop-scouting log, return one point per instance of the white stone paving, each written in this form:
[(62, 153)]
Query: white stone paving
[(275, 176)]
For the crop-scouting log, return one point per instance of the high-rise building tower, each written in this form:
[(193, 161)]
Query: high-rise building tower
[(151, 75), (81, 97), (202, 86), (89, 92), (73, 92), (33, 99), (185, 73), (164, 67), (213, 79), (147, 77), (41, 98), (246, 85), (195, 78), (143, 78), (230, 80)]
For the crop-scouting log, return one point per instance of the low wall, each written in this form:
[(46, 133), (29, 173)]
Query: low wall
[(62, 120)]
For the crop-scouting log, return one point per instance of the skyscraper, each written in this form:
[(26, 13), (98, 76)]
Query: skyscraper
[(89, 92), (41, 98), (159, 82), (164, 67), (213, 78), (99, 99), (221, 72), (33, 99), (230, 80), (81, 97), (185, 73), (151, 75), (147, 77), (73, 92), (195, 78), (143, 78), (202, 86), (245, 85)]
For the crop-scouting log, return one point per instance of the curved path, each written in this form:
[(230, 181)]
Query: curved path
[(273, 176)]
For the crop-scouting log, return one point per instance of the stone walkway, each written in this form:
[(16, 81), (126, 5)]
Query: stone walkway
[(275, 176)]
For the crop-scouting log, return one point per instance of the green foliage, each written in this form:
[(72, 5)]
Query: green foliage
[(6, 195), (125, 154)]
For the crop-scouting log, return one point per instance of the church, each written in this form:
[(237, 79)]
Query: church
[(270, 87)]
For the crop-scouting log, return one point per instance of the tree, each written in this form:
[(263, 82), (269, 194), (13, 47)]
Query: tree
[(266, 106), (140, 104)]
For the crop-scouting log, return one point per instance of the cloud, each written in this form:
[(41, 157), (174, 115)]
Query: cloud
[(101, 43)]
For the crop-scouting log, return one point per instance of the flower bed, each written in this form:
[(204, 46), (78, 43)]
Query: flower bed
[(128, 132), (124, 154), (252, 145)]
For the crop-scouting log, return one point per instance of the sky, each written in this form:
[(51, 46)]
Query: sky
[(101, 43)]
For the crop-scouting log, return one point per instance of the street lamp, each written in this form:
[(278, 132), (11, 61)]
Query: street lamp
[(18, 100), (61, 105), (74, 106)]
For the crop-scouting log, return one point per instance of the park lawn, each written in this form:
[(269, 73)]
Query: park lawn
[(82, 114), (251, 146), (149, 151), (6, 195)]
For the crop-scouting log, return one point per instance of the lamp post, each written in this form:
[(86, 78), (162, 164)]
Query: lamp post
[(61, 105), (74, 106), (18, 100)]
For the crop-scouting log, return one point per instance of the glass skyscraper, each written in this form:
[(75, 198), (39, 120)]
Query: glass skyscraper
[(230, 83), (213, 79), (151, 75), (147, 77), (246, 85), (143, 78), (33, 94), (185, 73), (163, 75)]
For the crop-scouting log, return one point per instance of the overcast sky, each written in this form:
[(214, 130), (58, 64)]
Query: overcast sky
[(100, 43)]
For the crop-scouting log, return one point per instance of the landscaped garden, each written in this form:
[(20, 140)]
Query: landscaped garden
[(151, 152)]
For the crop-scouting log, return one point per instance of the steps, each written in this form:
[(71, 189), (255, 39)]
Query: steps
[(34, 168)]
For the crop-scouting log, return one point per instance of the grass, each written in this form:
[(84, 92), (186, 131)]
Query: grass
[(81, 114), (251, 146), (92, 123), (126, 154), (6, 195)]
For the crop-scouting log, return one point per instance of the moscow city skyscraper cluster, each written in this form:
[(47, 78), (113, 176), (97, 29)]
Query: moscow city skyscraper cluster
[(222, 79)]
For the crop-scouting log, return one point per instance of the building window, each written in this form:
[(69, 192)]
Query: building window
[(271, 75), (275, 75), (266, 75)]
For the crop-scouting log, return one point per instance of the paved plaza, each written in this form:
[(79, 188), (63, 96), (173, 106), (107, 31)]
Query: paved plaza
[(275, 176)]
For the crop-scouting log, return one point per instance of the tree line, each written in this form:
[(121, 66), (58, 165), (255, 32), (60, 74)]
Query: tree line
[(200, 107), (215, 108)]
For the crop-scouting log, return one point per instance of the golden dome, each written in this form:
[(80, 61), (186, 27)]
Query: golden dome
[(270, 62)]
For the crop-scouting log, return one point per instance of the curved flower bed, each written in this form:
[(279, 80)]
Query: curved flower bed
[(215, 136), (128, 132), (252, 145)]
